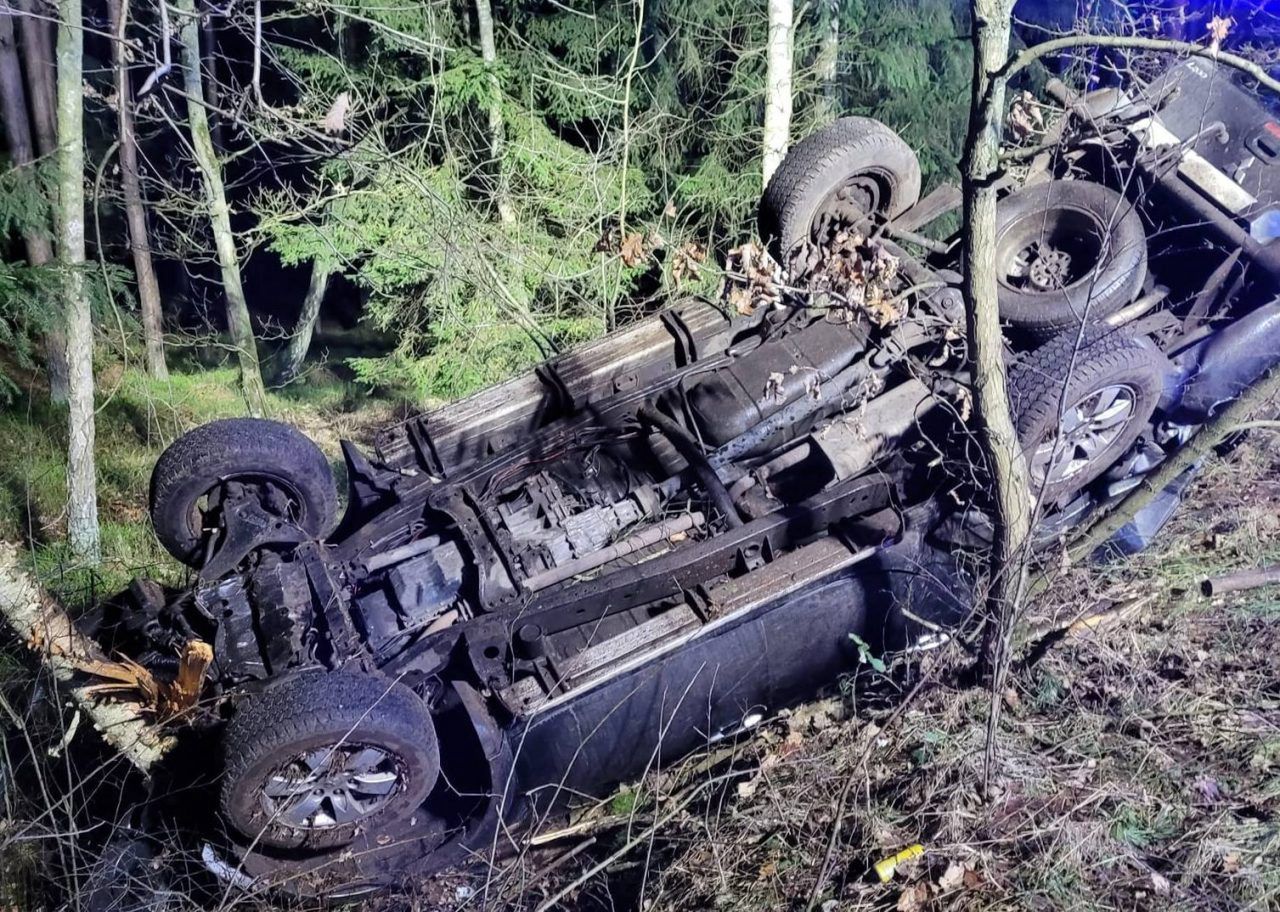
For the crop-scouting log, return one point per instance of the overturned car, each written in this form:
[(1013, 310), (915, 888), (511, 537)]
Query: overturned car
[(657, 540)]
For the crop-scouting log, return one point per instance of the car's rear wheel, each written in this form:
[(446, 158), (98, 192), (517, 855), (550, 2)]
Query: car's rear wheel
[(321, 757), (1067, 252), (1078, 411), (849, 169), (207, 469)]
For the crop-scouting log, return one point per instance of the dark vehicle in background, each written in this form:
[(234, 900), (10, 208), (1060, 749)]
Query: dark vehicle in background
[(658, 540)]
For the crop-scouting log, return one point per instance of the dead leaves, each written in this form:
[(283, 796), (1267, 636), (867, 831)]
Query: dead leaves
[(688, 260), (335, 121), (1026, 117), (632, 250), (860, 275), (1219, 28), (752, 279)]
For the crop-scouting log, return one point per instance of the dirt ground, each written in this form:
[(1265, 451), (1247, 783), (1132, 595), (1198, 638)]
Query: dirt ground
[(1137, 762)]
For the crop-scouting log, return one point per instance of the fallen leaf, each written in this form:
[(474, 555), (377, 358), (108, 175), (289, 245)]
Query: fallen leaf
[(632, 250), (1231, 863), (1219, 28), (913, 898), (669, 210), (336, 120), (1159, 884), (953, 877)]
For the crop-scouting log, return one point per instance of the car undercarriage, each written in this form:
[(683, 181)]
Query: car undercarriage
[(658, 540)]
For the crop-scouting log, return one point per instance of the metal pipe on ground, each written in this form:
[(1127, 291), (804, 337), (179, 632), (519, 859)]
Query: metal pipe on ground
[(1241, 581)]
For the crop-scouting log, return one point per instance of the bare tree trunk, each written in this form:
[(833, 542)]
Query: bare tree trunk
[(17, 127), (300, 342), (135, 215), (828, 64), (82, 492), (489, 54), (981, 166), (212, 96), (777, 99), (239, 325), (37, 57)]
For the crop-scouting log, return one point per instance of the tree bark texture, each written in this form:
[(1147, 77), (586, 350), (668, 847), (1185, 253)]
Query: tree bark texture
[(828, 63), (37, 58), (82, 492), (135, 215), (777, 101), (239, 325), (300, 341), (23, 150), (489, 54), (17, 127)]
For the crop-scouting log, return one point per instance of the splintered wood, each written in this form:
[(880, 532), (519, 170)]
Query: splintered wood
[(127, 723)]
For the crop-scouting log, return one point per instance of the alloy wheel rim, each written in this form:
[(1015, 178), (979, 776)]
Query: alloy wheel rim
[(1085, 432), (332, 786)]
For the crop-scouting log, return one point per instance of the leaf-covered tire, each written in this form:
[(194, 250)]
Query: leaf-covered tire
[(1077, 412), (858, 157), (255, 450), (1067, 252), (294, 774)]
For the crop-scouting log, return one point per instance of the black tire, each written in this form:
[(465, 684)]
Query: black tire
[(235, 448), (1048, 386), (817, 167), (325, 714), (1091, 259)]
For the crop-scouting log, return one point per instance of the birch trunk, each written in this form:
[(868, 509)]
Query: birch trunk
[(489, 54), (135, 215), (777, 100), (239, 326), (82, 493), (300, 342)]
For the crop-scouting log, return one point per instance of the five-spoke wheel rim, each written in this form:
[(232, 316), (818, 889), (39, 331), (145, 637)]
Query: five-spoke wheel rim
[(332, 786), (1088, 429)]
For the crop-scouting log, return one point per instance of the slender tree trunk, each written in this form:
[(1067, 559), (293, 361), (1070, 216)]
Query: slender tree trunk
[(828, 65), (135, 215), (212, 95), (37, 57), (777, 99), (981, 166), (82, 493), (17, 128), (489, 54), (300, 342), (239, 325)]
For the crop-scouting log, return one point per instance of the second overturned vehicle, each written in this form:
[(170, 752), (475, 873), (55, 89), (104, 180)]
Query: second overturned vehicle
[(657, 540)]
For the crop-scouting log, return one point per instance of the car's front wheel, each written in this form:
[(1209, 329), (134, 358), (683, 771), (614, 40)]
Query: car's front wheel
[(321, 757)]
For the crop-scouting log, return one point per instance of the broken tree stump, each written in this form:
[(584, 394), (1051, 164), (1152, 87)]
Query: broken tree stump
[(46, 628)]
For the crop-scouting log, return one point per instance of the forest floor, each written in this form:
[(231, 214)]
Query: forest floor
[(1138, 759)]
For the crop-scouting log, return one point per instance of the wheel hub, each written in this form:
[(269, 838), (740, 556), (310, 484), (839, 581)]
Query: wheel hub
[(1050, 269), (332, 786)]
